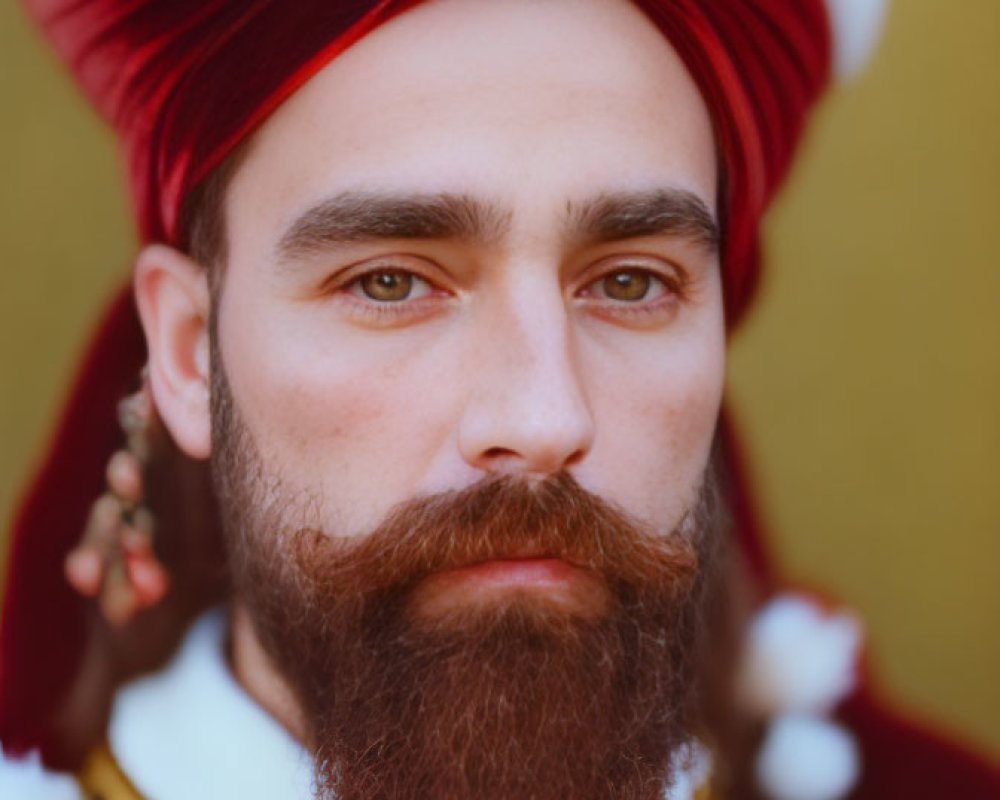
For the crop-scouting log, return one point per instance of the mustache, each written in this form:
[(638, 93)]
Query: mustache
[(504, 517)]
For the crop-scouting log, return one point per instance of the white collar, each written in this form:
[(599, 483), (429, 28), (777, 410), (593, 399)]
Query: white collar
[(190, 732)]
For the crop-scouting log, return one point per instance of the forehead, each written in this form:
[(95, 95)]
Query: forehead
[(529, 104)]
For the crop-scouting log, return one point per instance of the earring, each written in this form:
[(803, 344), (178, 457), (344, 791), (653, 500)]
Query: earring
[(114, 561)]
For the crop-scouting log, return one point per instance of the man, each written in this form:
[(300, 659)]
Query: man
[(449, 324)]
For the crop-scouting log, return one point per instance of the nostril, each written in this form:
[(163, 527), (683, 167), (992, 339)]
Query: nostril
[(498, 452)]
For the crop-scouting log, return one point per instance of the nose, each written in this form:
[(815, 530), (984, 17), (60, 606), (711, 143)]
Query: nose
[(527, 410)]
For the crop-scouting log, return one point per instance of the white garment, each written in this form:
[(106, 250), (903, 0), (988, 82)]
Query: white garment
[(189, 732), (25, 778)]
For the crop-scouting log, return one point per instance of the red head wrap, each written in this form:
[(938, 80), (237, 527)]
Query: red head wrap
[(182, 82)]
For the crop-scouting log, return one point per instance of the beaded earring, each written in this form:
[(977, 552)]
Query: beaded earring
[(114, 561)]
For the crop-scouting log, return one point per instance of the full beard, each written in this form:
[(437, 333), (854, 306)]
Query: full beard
[(518, 696)]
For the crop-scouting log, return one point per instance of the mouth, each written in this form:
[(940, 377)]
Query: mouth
[(540, 578), (523, 570)]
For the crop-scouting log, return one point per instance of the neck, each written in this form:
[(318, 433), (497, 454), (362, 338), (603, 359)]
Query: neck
[(256, 673)]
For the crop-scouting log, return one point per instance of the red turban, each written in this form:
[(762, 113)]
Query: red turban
[(182, 82)]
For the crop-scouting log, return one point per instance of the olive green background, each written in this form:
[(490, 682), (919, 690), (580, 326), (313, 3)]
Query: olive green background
[(867, 381)]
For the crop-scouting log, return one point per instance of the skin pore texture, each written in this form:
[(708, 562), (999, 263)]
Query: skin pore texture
[(479, 244)]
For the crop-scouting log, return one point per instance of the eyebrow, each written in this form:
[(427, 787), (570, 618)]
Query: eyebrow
[(367, 216), (364, 216), (658, 212)]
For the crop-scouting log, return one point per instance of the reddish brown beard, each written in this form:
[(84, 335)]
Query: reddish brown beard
[(518, 698)]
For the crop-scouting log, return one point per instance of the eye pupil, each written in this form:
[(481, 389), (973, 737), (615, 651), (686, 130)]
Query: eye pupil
[(387, 287), (628, 286)]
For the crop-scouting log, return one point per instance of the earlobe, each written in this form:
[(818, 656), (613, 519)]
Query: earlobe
[(172, 293)]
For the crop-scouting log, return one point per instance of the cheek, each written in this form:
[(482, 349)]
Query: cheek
[(656, 410), (337, 414)]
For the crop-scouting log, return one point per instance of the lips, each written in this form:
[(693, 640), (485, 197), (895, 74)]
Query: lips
[(522, 570), (527, 552), (540, 578)]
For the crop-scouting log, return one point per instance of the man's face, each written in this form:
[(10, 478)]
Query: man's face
[(467, 366), (479, 242)]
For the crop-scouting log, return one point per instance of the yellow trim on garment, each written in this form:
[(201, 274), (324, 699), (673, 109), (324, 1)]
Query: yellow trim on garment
[(100, 777), (704, 792)]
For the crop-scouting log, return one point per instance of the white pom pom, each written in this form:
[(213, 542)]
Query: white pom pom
[(857, 26), (797, 658), (805, 758)]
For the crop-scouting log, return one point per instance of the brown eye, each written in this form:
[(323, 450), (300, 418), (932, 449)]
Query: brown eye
[(628, 286), (387, 286)]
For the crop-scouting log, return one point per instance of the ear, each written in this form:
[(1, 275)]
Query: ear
[(174, 303)]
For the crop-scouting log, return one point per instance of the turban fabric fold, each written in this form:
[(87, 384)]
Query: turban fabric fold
[(182, 83)]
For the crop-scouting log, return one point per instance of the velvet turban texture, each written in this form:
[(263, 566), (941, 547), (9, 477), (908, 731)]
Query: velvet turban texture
[(182, 83)]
